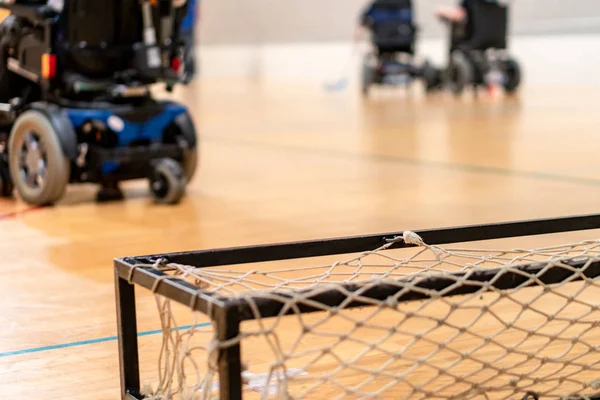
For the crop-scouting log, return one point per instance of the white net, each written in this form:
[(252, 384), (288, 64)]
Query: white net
[(454, 324)]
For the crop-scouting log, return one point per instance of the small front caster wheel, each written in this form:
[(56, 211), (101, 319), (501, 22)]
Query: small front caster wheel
[(167, 182), (512, 72)]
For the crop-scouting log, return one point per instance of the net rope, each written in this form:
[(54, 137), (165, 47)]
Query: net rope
[(462, 337)]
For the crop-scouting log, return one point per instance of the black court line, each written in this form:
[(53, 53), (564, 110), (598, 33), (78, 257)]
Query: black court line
[(479, 169)]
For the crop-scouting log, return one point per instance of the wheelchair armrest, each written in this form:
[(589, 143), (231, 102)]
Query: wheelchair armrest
[(35, 13), (444, 19)]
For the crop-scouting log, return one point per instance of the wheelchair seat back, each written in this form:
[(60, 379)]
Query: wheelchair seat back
[(392, 25), (487, 22), (101, 38), (97, 36)]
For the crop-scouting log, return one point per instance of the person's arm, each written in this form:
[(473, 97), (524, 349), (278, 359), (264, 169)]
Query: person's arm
[(56, 5), (364, 23), (453, 14)]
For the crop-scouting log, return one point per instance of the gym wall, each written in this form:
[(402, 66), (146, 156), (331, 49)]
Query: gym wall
[(285, 21)]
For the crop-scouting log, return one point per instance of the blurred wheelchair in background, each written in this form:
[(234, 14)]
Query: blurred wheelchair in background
[(478, 53), (394, 35)]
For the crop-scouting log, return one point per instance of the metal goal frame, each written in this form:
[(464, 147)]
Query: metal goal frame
[(227, 314)]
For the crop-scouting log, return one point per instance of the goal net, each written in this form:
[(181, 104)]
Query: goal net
[(426, 322)]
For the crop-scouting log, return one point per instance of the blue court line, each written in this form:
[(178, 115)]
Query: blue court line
[(91, 341)]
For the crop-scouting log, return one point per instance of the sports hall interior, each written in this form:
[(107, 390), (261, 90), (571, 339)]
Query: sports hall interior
[(285, 158)]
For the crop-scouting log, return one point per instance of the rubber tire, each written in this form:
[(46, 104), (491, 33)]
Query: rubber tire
[(172, 172), (58, 166), (431, 77), (190, 155), (512, 71), (368, 77), (190, 163), (460, 73)]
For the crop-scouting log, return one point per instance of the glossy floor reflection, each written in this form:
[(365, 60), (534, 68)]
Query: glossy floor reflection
[(284, 161)]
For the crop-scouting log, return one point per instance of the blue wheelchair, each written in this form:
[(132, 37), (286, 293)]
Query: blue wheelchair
[(76, 103), (394, 34)]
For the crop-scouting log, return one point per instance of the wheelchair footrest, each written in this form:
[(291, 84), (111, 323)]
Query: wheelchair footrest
[(133, 155), (122, 164)]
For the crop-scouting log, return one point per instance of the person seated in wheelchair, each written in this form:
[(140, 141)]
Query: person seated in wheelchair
[(477, 24), (392, 27), (478, 44), (80, 72)]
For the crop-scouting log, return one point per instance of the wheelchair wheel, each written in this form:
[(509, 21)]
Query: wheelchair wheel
[(431, 77), (512, 73), (185, 131), (167, 182), (368, 76), (38, 168), (460, 73), (190, 163)]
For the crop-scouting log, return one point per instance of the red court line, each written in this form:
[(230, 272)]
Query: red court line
[(15, 214)]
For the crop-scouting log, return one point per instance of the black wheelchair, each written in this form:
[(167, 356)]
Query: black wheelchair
[(478, 55), (76, 104), (394, 35)]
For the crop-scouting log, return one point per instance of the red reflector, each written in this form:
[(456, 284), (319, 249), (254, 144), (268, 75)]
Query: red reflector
[(48, 66), (176, 64)]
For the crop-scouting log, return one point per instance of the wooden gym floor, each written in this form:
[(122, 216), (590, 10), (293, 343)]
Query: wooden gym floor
[(284, 161)]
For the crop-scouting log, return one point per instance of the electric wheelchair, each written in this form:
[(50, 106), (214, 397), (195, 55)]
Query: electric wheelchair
[(75, 98), (394, 34), (478, 55)]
